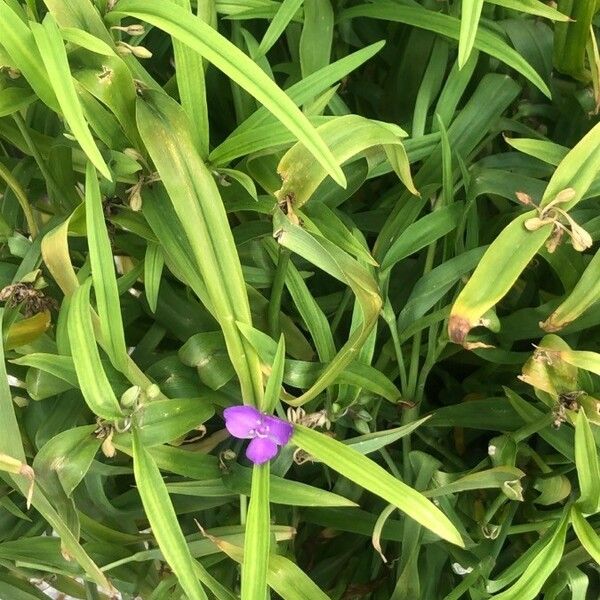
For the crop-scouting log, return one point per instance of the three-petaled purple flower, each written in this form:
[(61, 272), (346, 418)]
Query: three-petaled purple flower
[(266, 432)]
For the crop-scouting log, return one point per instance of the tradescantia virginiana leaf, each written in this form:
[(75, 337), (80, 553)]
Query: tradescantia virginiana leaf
[(94, 384), (471, 12), (533, 7), (283, 576), (223, 54), (347, 137), (314, 84), (192, 88), (305, 374), (506, 257), (163, 520), (588, 465), (372, 477), (11, 445), (469, 24), (571, 38), (512, 250), (20, 45), (278, 24), (257, 537), (192, 105), (585, 532), (50, 45), (585, 293), (341, 266), (196, 201), (540, 568), (103, 271), (450, 26)]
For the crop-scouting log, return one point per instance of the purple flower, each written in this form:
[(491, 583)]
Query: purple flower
[(265, 431)]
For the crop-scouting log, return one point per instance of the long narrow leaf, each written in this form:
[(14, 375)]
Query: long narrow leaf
[(94, 384), (163, 520), (196, 200), (193, 32), (258, 537), (375, 479), (103, 271), (49, 42)]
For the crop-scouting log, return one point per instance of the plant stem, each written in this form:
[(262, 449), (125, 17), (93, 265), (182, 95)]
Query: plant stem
[(15, 186), (41, 163), (277, 292)]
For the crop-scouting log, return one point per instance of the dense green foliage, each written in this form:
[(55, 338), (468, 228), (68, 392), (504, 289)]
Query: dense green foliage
[(374, 219)]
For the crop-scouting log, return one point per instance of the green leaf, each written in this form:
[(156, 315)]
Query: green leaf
[(528, 586), (13, 99), (577, 170), (543, 149), (195, 198), (585, 532), (277, 25), (84, 39), (347, 136), (310, 87), (371, 442), (192, 90), (469, 24), (50, 45), (11, 445), (202, 38), (93, 382), (290, 582), (317, 35), (421, 233), (163, 520), (486, 41), (282, 491), (257, 538), (585, 293), (375, 479), (339, 265), (20, 44), (103, 272), (434, 285), (501, 265), (498, 477), (162, 421), (284, 577), (588, 465), (68, 455), (532, 7), (153, 268), (304, 374), (273, 389)]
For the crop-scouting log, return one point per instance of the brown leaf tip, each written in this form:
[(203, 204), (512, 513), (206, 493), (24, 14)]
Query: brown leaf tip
[(550, 325), (458, 329)]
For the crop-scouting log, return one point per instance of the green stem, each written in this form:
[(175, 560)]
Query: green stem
[(243, 508), (274, 309), (340, 310), (15, 186), (389, 461), (399, 355), (41, 163), (91, 591), (413, 376), (495, 506)]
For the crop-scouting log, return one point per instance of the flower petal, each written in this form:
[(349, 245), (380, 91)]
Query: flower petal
[(240, 420), (261, 450), (279, 431)]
